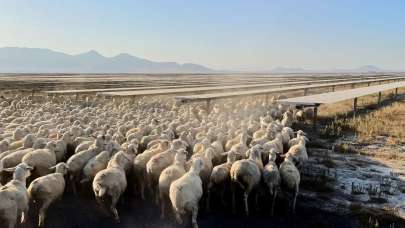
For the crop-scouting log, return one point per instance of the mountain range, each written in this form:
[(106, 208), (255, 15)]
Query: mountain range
[(39, 60)]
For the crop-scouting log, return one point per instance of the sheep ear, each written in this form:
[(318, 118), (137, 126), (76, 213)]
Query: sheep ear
[(9, 169), (306, 139), (52, 168)]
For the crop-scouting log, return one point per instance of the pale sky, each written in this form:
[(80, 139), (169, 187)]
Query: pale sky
[(221, 34)]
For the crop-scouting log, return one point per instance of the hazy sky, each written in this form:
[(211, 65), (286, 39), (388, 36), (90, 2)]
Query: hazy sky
[(223, 34)]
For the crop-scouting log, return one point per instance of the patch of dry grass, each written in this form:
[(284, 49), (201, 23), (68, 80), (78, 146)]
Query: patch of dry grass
[(387, 121)]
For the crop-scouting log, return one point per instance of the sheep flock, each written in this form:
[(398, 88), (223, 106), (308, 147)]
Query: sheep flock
[(180, 157)]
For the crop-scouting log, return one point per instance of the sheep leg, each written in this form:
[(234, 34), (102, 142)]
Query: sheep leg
[(274, 201), (245, 200), (24, 215), (178, 218), (73, 184), (233, 198), (257, 200), (162, 207), (294, 200), (208, 197), (42, 213), (157, 196), (223, 196), (113, 208), (10, 223), (194, 217), (142, 189)]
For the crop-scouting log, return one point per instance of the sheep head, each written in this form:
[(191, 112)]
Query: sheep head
[(197, 165), (61, 167)]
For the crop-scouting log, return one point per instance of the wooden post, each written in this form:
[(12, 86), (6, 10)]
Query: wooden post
[(305, 92), (77, 96), (353, 85), (355, 107), (315, 115), (379, 99), (396, 93), (267, 99), (333, 88)]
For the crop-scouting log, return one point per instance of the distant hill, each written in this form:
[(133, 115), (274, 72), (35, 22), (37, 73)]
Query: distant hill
[(362, 69), (37, 60), (368, 68)]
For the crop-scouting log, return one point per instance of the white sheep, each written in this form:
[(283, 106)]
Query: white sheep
[(109, 184), (170, 174), (14, 197), (94, 165), (62, 146), (11, 160), (139, 166), (290, 178), (4, 145), (83, 146), (41, 160), (298, 153), (77, 161), (185, 192), (296, 140), (220, 176), (271, 177), (47, 189), (247, 174), (160, 161)]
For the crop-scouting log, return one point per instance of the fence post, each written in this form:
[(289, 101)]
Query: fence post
[(315, 115), (354, 107)]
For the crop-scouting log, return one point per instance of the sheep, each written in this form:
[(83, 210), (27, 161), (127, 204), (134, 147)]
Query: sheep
[(11, 160), (298, 153), (40, 143), (287, 119), (14, 196), (185, 192), (290, 179), (218, 147), (94, 165), (220, 176), (276, 144), (47, 189), (83, 146), (110, 183), (139, 165), (170, 174), (264, 139), (77, 161), (205, 173), (247, 174), (271, 177), (158, 162), (41, 160), (62, 146), (3, 146), (237, 140), (287, 133), (296, 140), (241, 147)]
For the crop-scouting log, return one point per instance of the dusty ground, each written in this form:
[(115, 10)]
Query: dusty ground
[(78, 212)]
